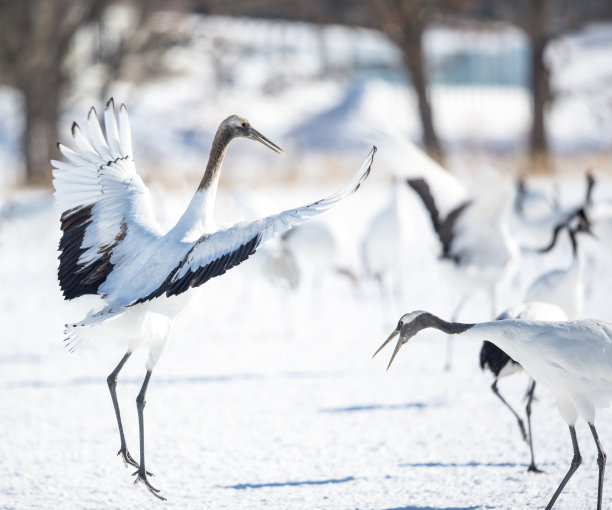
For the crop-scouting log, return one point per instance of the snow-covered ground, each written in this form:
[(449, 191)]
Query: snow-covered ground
[(245, 411), (266, 399)]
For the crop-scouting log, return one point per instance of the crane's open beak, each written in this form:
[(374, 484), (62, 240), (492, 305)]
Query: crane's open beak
[(400, 342), (256, 135)]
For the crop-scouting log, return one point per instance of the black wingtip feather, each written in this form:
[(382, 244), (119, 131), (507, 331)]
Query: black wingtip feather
[(75, 278), (217, 267)]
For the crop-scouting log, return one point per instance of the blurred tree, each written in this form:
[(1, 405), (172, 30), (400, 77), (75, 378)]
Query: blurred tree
[(35, 36), (542, 21), (402, 21), (41, 55)]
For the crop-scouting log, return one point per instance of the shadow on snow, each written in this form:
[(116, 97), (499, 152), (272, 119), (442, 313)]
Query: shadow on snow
[(432, 508), (376, 407), (461, 464), (244, 486)]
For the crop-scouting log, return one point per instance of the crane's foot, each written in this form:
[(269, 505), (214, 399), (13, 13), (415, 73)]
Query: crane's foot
[(141, 476), (128, 460), (533, 469)]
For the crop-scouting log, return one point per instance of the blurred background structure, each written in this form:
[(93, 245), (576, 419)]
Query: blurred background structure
[(527, 78)]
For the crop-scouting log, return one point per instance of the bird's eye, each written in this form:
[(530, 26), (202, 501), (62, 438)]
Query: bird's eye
[(244, 124)]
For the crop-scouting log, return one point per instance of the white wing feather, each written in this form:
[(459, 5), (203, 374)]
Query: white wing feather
[(213, 254), (103, 202), (113, 246)]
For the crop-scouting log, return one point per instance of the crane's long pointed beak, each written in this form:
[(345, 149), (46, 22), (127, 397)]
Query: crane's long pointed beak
[(391, 336), (256, 135), (397, 348)]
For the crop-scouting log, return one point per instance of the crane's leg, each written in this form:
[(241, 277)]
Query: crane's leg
[(532, 467), (576, 461), (112, 386), (601, 462), (141, 474), (518, 418)]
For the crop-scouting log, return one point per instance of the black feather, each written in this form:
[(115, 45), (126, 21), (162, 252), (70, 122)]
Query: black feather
[(76, 278), (493, 357), (444, 228), (217, 267)]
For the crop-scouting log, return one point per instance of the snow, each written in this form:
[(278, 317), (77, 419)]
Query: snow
[(245, 412)]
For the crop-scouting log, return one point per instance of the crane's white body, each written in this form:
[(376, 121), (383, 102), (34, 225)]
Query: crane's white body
[(118, 250), (487, 254), (502, 365), (407, 161), (478, 250), (387, 235), (600, 215), (536, 310), (562, 287), (572, 359)]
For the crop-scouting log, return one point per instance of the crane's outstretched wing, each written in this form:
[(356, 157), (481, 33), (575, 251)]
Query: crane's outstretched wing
[(213, 254), (103, 202), (445, 229)]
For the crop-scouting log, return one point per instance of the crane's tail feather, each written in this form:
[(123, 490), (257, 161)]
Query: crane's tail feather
[(76, 332)]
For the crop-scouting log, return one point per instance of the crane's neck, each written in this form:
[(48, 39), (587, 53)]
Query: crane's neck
[(198, 218), (493, 331), (509, 335), (217, 153), (429, 320), (554, 239)]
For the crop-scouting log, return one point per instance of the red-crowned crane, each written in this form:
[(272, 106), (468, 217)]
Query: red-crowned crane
[(112, 245)]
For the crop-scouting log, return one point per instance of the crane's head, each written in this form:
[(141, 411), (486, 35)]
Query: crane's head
[(408, 326), (240, 127)]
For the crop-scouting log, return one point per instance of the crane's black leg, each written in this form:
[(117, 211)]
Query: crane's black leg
[(601, 462), (576, 460), (112, 386), (518, 418), (141, 474), (532, 467)]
